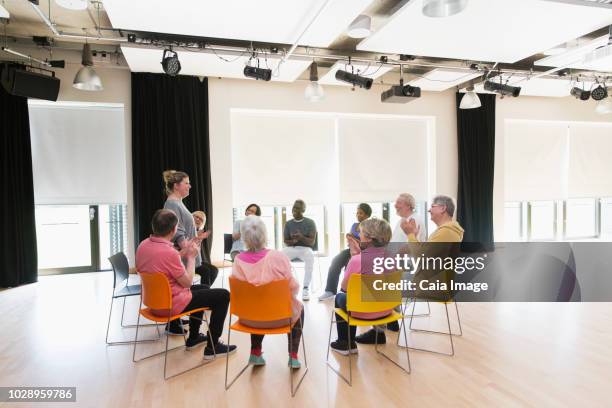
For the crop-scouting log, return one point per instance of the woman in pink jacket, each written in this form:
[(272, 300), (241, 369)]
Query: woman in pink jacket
[(258, 266)]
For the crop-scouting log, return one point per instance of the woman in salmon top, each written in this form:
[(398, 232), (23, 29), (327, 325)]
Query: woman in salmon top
[(258, 266)]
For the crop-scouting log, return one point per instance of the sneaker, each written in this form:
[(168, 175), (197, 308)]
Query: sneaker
[(326, 296), (175, 330), (369, 337), (220, 349), (393, 326), (305, 294), (185, 321), (294, 363), (342, 347), (191, 343), (256, 360)]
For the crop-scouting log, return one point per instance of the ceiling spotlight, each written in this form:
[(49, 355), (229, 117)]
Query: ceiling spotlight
[(599, 93), (170, 62), (502, 89), (443, 8), (360, 27), (581, 94), (604, 107), (470, 99), (354, 79), (257, 73), (314, 90), (87, 79), (72, 4)]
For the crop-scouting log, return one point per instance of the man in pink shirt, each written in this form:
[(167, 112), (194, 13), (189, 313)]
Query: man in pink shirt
[(157, 254)]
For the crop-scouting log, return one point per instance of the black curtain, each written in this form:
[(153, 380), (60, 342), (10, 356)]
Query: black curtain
[(18, 229), (476, 148), (169, 131)]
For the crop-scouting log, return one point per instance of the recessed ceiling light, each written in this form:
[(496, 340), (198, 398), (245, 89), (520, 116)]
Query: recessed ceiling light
[(443, 8), (360, 27), (72, 4)]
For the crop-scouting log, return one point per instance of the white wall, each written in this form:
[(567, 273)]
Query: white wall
[(227, 94)]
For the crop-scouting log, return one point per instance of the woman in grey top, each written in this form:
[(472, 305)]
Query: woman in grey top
[(177, 186)]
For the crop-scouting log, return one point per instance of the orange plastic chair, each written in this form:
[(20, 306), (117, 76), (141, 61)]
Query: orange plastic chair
[(355, 303), (156, 294), (264, 303)]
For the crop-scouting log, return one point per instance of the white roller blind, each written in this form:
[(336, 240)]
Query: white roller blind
[(535, 161), (381, 157), (78, 154), (277, 158), (590, 160)]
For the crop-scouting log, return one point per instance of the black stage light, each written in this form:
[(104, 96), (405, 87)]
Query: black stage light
[(581, 94), (58, 63), (354, 79), (170, 63), (502, 89), (258, 73), (599, 93)]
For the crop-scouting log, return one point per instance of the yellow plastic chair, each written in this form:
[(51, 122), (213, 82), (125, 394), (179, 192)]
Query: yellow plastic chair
[(156, 294), (264, 303), (355, 303)]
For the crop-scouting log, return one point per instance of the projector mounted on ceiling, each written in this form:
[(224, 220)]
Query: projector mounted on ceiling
[(400, 93)]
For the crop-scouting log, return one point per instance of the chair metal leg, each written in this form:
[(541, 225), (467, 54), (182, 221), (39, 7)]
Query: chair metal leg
[(115, 343), (349, 380), (435, 331), (166, 350), (389, 358), (227, 386), (449, 334), (294, 390)]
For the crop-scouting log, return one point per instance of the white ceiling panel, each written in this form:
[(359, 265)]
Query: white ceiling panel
[(367, 70), (487, 30), (538, 86), (574, 57), (277, 21), (210, 64), (441, 79)]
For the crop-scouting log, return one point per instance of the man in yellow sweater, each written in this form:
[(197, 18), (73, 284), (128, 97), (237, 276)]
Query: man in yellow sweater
[(443, 242), (442, 210)]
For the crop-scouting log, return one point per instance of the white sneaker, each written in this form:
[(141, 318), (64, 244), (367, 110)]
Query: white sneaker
[(306, 294), (326, 296)]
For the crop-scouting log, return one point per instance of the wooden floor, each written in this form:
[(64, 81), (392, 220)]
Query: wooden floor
[(510, 354)]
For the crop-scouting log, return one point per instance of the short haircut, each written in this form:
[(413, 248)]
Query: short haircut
[(408, 199), (253, 232), (257, 211), (377, 230), (163, 222), (446, 201), (365, 207), (301, 202)]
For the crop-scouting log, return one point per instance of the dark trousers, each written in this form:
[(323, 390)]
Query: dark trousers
[(208, 272), (294, 339), (341, 325), (335, 269), (217, 300)]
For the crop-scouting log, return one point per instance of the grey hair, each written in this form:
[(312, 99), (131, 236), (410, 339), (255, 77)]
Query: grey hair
[(445, 201), (253, 232), (408, 199), (377, 230)]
